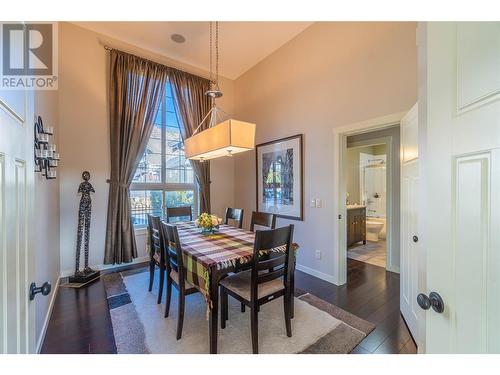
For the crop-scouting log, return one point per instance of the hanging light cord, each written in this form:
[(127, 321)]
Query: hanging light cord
[(214, 113), (214, 81), (211, 54), (217, 54)]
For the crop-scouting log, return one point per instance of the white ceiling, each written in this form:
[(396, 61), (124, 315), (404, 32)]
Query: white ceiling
[(241, 44)]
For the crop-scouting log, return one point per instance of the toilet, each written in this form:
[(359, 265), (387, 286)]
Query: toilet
[(374, 227)]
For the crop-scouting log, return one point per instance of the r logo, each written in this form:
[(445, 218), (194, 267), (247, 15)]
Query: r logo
[(27, 49)]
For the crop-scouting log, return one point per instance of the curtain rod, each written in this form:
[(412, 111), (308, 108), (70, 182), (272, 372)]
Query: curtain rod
[(108, 48)]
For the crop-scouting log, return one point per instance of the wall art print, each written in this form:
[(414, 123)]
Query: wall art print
[(280, 184)]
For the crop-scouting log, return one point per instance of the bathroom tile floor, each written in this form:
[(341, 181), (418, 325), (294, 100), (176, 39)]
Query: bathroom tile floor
[(373, 252)]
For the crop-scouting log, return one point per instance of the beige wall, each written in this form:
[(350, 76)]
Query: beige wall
[(330, 75), (46, 236), (84, 136)]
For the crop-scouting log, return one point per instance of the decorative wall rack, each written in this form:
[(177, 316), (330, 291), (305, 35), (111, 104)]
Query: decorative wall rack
[(46, 157)]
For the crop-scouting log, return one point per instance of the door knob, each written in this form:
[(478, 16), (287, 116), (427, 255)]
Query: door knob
[(434, 300), (415, 238), (44, 289)]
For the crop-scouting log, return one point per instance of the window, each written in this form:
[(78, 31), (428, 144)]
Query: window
[(164, 177)]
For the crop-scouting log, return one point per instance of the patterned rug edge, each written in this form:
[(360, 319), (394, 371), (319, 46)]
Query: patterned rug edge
[(333, 342)]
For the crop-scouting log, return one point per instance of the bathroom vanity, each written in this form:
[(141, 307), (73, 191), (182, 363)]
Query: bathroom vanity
[(356, 224)]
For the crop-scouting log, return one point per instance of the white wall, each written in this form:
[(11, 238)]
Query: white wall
[(84, 136), (46, 236), (330, 75)]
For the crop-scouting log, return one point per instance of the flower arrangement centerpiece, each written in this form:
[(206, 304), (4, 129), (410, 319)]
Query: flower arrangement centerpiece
[(208, 223)]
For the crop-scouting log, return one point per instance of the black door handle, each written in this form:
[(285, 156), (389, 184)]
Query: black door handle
[(434, 300), (44, 289), (415, 238)]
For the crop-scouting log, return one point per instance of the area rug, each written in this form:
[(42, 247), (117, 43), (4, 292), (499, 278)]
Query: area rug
[(139, 326)]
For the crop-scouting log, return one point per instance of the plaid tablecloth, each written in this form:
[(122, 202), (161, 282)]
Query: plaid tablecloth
[(204, 253)]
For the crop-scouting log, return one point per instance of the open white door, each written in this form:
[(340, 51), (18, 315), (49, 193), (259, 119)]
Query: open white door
[(16, 214), (461, 178), (409, 244)]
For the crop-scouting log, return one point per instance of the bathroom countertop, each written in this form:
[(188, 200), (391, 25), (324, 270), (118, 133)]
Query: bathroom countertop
[(355, 206)]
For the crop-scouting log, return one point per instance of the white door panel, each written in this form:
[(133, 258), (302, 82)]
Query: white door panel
[(409, 221), (462, 186), (16, 214)]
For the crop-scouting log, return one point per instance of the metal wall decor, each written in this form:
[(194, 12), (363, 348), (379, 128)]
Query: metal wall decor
[(46, 157)]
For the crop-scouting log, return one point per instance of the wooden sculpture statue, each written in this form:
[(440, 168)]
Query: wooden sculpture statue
[(83, 232)]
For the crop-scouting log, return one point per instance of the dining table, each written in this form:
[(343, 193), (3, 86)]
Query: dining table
[(209, 257)]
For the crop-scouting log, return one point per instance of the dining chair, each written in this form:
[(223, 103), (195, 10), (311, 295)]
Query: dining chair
[(235, 214), (176, 273), (263, 219), (156, 253), (184, 211), (258, 285)]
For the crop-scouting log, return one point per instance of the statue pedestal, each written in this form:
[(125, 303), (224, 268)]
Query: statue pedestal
[(84, 278)]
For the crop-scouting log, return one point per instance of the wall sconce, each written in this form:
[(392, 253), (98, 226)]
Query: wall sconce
[(46, 157)]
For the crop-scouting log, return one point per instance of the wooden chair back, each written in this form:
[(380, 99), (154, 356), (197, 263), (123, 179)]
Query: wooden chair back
[(156, 239), (173, 251), (272, 257), (263, 219), (184, 211), (235, 214)]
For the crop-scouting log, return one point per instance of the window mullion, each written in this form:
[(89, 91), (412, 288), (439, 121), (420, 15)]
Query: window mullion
[(164, 140), (163, 152)]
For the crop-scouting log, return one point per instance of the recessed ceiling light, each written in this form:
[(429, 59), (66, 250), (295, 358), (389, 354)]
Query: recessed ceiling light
[(178, 38)]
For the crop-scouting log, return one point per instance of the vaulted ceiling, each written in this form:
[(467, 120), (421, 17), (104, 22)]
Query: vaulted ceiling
[(242, 44)]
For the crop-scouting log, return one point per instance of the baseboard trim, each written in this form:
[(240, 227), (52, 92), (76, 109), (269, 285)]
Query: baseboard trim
[(394, 269), (109, 267), (317, 274), (47, 317)]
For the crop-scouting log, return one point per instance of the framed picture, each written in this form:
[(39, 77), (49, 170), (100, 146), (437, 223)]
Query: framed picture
[(280, 183)]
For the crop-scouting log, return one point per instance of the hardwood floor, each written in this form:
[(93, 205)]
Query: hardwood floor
[(371, 293), (81, 323)]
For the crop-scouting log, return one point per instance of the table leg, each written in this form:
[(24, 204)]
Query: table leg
[(292, 286), (214, 293)]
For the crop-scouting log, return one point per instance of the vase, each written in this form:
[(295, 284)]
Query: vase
[(209, 231)]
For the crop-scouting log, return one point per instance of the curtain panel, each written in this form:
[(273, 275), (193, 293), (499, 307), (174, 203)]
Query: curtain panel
[(136, 88), (192, 105)]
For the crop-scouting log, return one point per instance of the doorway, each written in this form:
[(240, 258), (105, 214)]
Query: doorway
[(366, 167), (371, 185)]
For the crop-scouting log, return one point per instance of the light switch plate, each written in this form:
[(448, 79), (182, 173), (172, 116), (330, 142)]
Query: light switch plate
[(313, 203)]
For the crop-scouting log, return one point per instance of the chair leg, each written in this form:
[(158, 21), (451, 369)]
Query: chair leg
[(169, 296), (242, 307), (180, 318), (288, 314), (255, 328), (223, 308), (162, 281), (151, 275)]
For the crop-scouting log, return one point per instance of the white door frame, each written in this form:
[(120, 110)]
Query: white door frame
[(340, 135)]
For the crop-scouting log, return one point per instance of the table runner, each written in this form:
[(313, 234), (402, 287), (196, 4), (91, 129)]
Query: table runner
[(201, 253)]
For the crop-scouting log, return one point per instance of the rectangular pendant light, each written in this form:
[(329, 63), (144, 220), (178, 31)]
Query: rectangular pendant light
[(227, 138)]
